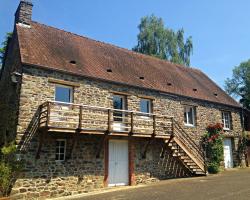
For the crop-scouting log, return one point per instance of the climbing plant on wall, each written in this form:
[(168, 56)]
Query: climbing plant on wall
[(213, 144)]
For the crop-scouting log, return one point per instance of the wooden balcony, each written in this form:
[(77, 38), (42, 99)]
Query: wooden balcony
[(84, 119), (64, 117)]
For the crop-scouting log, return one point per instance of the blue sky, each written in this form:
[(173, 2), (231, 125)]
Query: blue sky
[(220, 28)]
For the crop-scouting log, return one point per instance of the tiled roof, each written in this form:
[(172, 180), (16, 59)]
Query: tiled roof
[(49, 47)]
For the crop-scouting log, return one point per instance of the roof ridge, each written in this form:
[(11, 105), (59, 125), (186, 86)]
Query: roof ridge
[(122, 48)]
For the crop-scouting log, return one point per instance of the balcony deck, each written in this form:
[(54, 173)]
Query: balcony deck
[(85, 119)]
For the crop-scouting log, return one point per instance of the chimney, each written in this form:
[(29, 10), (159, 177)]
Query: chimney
[(24, 12)]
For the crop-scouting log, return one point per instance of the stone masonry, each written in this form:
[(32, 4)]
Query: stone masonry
[(84, 172)]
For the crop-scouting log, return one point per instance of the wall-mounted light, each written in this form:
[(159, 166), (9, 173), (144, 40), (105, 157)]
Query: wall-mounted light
[(14, 77)]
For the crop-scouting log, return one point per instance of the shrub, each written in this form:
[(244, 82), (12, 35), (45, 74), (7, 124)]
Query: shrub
[(213, 168), (213, 140), (10, 167)]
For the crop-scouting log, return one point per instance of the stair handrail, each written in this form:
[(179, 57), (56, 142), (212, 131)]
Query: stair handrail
[(185, 138)]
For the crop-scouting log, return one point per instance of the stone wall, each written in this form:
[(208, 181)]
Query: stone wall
[(9, 92), (36, 89), (153, 167), (44, 177)]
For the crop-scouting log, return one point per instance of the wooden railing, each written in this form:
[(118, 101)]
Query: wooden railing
[(100, 119), (196, 150), (85, 118)]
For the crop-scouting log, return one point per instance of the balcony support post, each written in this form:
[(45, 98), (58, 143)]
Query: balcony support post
[(101, 145), (109, 121), (41, 134), (77, 133), (165, 145), (131, 124), (154, 126), (48, 113)]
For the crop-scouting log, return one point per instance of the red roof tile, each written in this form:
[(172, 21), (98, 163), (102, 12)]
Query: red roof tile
[(53, 48)]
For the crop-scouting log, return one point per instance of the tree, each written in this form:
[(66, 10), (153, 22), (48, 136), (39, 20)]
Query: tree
[(156, 40), (239, 84), (3, 48)]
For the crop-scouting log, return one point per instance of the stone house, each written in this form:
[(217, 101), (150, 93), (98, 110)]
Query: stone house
[(88, 115)]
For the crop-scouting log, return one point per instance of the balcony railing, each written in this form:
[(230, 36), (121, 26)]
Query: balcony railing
[(85, 118)]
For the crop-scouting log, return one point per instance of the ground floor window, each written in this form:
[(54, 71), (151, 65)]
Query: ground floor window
[(60, 149)]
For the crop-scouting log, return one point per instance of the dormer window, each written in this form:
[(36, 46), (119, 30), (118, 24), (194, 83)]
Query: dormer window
[(64, 93)]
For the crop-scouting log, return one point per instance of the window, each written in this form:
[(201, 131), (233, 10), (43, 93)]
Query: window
[(189, 116), (146, 106), (60, 150), (64, 93), (119, 104), (226, 120)]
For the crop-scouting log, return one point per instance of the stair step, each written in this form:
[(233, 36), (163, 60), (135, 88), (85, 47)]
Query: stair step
[(200, 173), (191, 164), (187, 161), (197, 170), (178, 154), (172, 145), (193, 167), (184, 158)]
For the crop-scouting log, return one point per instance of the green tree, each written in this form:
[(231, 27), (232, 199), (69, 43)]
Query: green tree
[(156, 40), (239, 85), (3, 48)]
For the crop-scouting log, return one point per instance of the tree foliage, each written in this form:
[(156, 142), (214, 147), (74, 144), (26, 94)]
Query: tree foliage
[(4, 46), (239, 84), (156, 40), (10, 167)]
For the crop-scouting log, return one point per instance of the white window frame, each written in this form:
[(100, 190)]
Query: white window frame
[(64, 152), (150, 107), (71, 92), (226, 127), (124, 98), (187, 117)]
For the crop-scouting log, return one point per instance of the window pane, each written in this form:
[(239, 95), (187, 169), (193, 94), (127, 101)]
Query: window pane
[(60, 150), (62, 157), (190, 116), (145, 106), (185, 117), (118, 103), (226, 119), (57, 150), (63, 94)]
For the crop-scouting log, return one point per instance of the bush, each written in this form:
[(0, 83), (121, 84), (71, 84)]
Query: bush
[(10, 167), (213, 168), (213, 140)]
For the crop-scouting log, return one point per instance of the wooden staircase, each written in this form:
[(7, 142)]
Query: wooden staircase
[(187, 151)]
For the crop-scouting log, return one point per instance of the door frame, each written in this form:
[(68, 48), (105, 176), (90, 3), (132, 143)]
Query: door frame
[(120, 123), (123, 183), (231, 151), (131, 157)]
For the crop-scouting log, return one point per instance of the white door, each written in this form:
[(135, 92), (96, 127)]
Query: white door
[(118, 162), (228, 156)]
